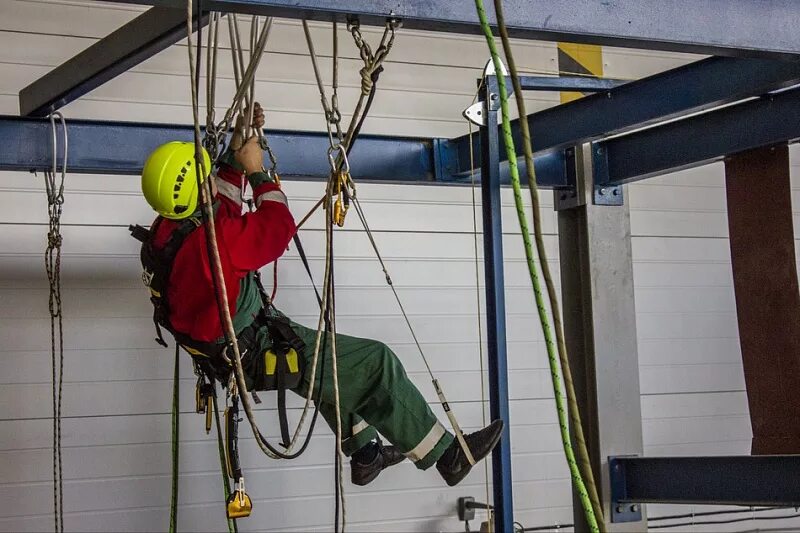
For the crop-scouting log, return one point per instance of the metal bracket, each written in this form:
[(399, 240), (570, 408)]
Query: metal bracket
[(603, 194), (571, 196), (621, 511), (489, 70), (474, 114)]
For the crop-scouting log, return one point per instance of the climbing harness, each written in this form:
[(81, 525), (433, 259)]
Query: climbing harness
[(575, 473), (54, 186)]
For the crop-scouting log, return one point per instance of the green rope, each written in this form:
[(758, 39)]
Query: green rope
[(173, 507), (226, 484), (584, 463), (552, 357)]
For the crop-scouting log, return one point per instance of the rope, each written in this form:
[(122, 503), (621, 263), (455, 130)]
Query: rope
[(173, 508), (577, 478), (576, 424), (237, 383), (372, 69), (55, 203), (439, 392)]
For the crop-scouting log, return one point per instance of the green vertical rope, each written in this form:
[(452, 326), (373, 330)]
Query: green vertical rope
[(552, 357), (173, 508), (584, 463), (226, 483)]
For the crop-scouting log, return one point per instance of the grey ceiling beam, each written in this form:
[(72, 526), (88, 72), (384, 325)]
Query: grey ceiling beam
[(136, 41), (713, 27)]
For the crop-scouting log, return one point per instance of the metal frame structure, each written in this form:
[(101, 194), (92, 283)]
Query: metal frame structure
[(684, 117)]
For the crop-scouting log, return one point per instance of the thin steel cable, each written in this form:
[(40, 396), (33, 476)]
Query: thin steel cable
[(459, 434), (55, 204), (552, 357), (584, 463), (489, 510)]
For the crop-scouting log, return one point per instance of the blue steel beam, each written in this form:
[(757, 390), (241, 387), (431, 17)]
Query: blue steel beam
[(687, 89), (102, 147), (698, 140), (136, 41), (97, 147), (565, 83), (733, 27), (734, 480)]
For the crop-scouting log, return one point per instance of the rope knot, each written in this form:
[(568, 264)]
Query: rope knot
[(366, 80)]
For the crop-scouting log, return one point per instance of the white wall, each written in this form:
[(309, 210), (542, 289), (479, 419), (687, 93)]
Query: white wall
[(118, 382)]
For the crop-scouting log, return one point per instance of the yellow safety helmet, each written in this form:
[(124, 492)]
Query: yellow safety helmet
[(169, 183)]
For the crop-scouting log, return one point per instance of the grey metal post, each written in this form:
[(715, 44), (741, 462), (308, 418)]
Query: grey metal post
[(600, 327)]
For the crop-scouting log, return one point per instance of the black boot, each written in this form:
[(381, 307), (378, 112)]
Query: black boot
[(453, 464), (367, 463)]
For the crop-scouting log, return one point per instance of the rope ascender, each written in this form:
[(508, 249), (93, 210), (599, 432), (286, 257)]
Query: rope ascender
[(54, 186)]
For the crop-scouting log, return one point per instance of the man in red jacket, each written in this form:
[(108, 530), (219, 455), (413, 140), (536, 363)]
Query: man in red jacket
[(376, 395)]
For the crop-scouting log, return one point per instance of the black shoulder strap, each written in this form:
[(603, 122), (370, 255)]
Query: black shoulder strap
[(157, 264)]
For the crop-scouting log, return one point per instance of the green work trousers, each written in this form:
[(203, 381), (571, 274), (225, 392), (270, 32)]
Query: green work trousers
[(375, 396)]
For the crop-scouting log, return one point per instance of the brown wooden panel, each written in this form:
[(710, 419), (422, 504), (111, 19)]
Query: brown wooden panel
[(767, 297)]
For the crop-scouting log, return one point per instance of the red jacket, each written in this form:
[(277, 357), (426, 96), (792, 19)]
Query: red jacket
[(246, 243)]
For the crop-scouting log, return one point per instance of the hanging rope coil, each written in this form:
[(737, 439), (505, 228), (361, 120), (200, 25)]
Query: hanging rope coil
[(54, 187)]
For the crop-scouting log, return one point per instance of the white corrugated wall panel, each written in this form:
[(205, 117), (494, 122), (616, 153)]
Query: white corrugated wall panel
[(118, 383)]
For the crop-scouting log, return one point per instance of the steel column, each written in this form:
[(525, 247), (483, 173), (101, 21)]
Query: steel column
[(600, 327), (496, 307)]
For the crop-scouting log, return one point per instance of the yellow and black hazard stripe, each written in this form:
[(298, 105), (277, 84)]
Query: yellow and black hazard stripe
[(579, 60)]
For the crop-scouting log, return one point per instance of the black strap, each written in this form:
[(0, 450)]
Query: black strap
[(280, 383), (304, 259), (232, 440)]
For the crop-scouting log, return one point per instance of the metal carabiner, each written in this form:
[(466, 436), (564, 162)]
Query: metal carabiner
[(345, 166)]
